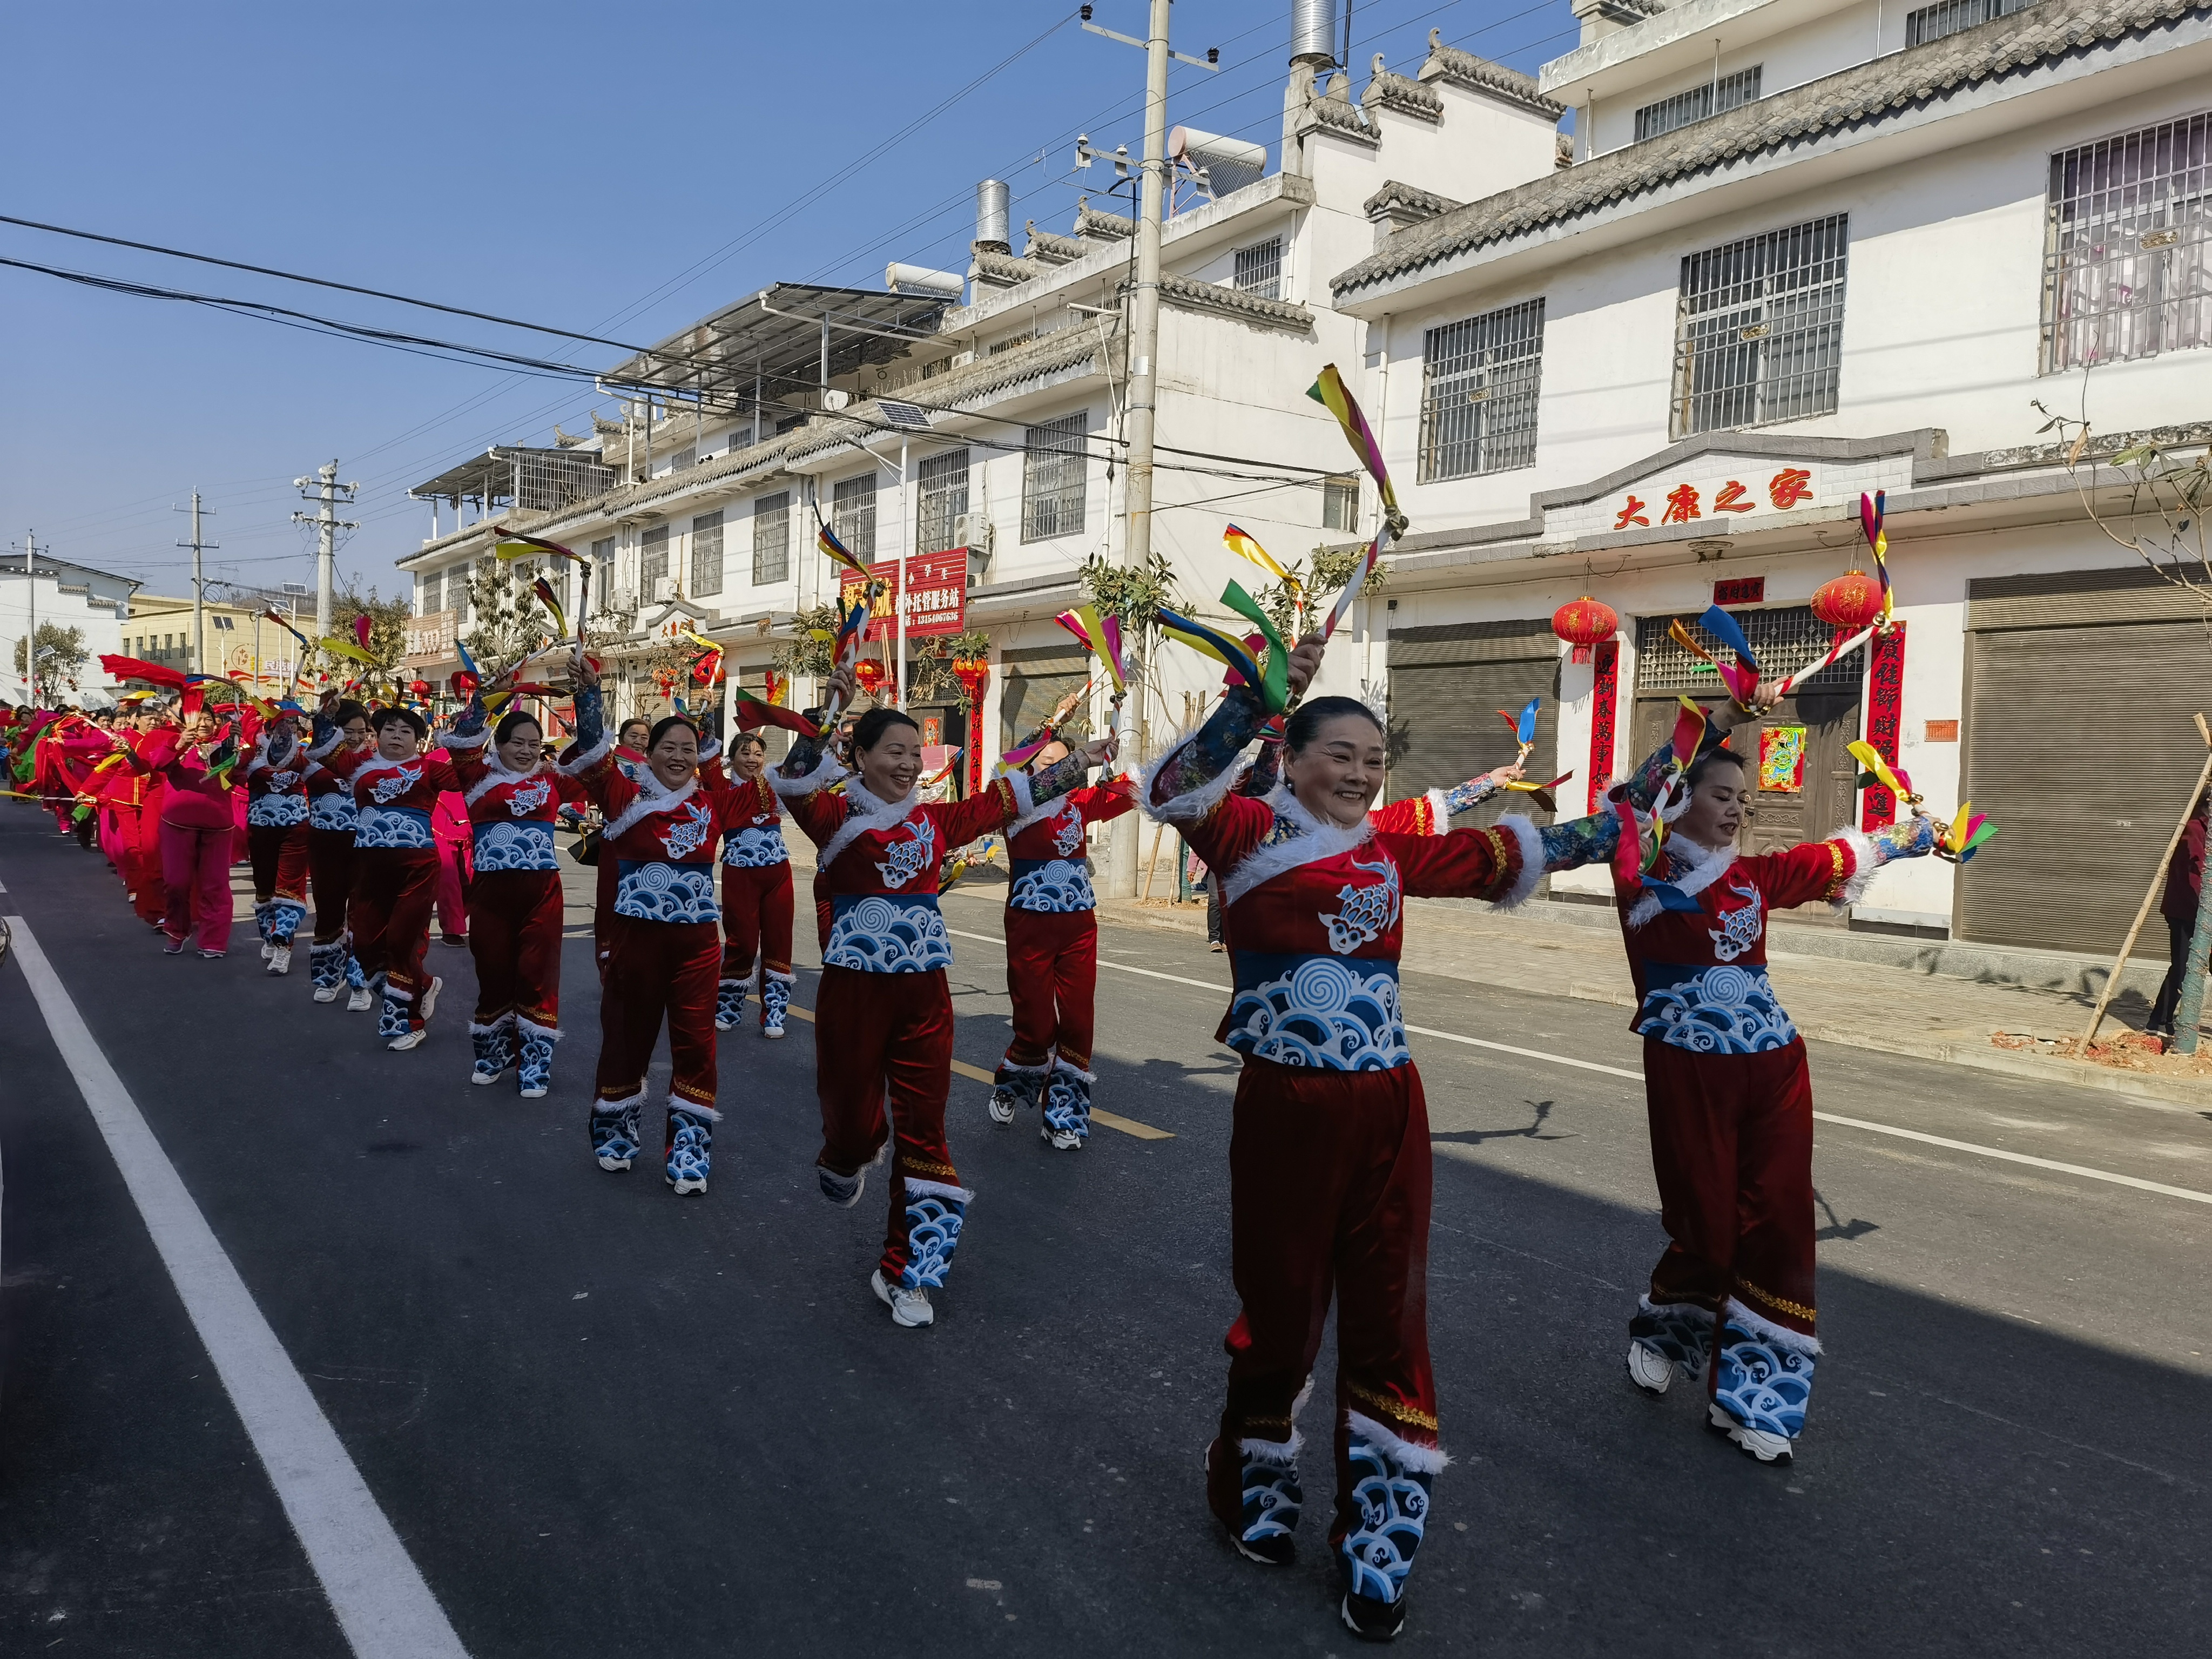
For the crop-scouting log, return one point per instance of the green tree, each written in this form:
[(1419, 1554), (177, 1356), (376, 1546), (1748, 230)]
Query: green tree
[(62, 657)]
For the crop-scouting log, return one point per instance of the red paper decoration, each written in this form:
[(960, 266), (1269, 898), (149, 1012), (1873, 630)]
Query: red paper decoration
[(1850, 603), (974, 673), (870, 673), (1584, 622)]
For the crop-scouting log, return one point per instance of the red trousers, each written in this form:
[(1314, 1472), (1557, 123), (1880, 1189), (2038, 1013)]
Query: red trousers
[(756, 911), (1732, 1148), (652, 969), (603, 908), (330, 863), (1328, 1193), (515, 936), (1052, 974), (871, 1031), (142, 861), (280, 862), (393, 888), (196, 875), (825, 909), (453, 882)]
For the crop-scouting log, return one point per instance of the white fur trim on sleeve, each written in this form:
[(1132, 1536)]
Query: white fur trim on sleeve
[(1439, 811), (1185, 808), (710, 750), (1524, 831), (825, 774), (1025, 793), (454, 740), (1422, 1459), (577, 765), (328, 747), (1866, 860)]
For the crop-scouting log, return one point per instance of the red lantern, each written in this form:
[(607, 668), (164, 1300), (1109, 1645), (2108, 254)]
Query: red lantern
[(870, 673), (1584, 622), (974, 673), (420, 688), (1848, 604)]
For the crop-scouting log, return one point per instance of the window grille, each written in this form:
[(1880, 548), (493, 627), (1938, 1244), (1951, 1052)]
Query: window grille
[(1054, 471), (944, 499), (1759, 328), (772, 539), (1259, 269), (1949, 17), (1687, 108), (683, 458), (1340, 504), (706, 555), (2128, 259), (433, 592), (852, 514), (1479, 379), (1784, 639), (603, 557), (653, 560), (1008, 343)]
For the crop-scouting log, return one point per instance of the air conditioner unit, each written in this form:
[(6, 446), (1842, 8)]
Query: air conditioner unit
[(975, 532), (663, 589)]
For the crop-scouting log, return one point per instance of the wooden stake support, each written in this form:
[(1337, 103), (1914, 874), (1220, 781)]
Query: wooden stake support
[(2157, 881)]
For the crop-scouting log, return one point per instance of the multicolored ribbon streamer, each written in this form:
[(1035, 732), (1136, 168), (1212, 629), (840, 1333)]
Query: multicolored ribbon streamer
[(1245, 546), (826, 539), (1870, 516), (1272, 682), (1329, 391), (1740, 676)]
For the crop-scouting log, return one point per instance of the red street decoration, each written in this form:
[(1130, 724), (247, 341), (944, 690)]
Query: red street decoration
[(420, 688), (1604, 699), (870, 673), (1848, 604), (1885, 719), (974, 673), (1583, 622)]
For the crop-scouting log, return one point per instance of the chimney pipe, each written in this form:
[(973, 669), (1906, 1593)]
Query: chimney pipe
[(1313, 33), (993, 205)]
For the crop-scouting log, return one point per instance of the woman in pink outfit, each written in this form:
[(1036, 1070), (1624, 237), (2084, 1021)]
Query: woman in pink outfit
[(449, 826), (198, 827)]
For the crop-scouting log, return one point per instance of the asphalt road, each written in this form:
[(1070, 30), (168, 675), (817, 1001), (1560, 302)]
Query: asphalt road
[(603, 1421)]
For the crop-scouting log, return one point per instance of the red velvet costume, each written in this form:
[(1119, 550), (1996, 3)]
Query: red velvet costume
[(1329, 1160), (395, 875), (629, 763), (276, 837), (515, 904), (331, 817), (884, 1015), (196, 839), (1052, 961), (758, 903)]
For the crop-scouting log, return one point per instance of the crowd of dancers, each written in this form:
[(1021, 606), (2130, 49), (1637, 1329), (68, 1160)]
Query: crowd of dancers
[(1329, 1157)]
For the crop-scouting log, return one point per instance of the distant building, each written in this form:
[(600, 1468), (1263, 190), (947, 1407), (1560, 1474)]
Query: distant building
[(242, 644), (62, 592)]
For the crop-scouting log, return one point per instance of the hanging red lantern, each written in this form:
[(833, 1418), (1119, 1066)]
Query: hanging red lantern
[(870, 673), (974, 673), (1850, 603), (420, 688), (1584, 622)]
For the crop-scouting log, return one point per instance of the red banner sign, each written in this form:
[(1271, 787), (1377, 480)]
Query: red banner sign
[(936, 596)]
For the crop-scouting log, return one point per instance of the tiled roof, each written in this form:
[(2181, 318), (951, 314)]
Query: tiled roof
[(1464, 69), (1861, 96)]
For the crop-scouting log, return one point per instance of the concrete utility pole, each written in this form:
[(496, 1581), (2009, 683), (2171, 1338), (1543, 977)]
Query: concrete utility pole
[(324, 488), (31, 627), (199, 587)]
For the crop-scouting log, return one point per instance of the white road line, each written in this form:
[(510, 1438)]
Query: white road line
[(1997, 1152), (383, 1606)]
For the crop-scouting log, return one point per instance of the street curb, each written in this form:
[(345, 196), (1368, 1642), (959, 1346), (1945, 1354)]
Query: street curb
[(2167, 1094)]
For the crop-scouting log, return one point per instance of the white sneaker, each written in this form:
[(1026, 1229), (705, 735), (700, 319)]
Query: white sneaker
[(431, 998), (1649, 1371), (1766, 1448), (1002, 1107), (531, 1094), (726, 1026), (773, 1033), (908, 1307), (361, 1000), (406, 1040), (280, 959), (1060, 1140), (326, 993), (268, 950)]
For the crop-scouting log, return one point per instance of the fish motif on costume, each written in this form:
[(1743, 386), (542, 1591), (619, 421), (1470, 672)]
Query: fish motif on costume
[(905, 859), (524, 800), (1740, 930), (1365, 913), (392, 785), (1067, 833), (690, 831), (282, 780)]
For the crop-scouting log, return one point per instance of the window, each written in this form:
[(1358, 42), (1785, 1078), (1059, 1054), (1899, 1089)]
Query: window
[(852, 514), (226, 623), (706, 555), (1259, 269), (457, 591), (434, 592), (1760, 328), (944, 499), (1686, 108), (2128, 249), (1340, 504), (653, 560), (1949, 17), (683, 458), (1479, 379), (1053, 474), (772, 539)]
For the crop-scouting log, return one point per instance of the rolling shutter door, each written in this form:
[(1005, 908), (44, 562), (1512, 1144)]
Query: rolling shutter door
[(1035, 682), (1447, 684), (2086, 789)]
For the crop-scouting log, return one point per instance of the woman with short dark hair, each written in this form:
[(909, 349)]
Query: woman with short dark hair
[(883, 1014), (277, 834), (756, 897)]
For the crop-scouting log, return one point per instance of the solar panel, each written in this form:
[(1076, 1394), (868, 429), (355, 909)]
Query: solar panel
[(905, 415)]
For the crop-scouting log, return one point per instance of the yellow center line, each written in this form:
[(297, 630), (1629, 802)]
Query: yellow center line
[(1127, 1125)]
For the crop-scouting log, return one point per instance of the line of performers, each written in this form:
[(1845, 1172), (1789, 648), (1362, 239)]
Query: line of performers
[(1330, 1166)]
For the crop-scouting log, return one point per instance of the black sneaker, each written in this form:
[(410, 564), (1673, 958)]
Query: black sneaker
[(1371, 1620)]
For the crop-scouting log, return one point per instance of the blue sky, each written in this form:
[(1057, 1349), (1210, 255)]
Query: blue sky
[(618, 174)]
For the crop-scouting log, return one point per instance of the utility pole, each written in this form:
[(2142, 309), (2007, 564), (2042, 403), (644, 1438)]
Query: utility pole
[(199, 587), (31, 628), (323, 486)]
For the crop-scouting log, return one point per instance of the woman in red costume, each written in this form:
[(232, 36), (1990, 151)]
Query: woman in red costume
[(1728, 1090), (331, 819), (1052, 956), (276, 835), (1329, 1171), (629, 760), (514, 795), (756, 897), (196, 827), (884, 1015)]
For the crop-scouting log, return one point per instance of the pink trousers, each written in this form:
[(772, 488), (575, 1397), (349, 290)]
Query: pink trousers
[(196, 871)]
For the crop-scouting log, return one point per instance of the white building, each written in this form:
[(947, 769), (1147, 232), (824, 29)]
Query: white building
[(61, 592), (1809, 248)]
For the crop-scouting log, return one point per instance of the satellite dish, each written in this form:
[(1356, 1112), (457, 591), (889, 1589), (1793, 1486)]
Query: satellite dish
[(836, 397)]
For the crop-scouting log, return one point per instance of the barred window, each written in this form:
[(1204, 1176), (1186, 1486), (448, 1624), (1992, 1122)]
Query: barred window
[(772, 539), (1479, 379), (1340, 504), (1760, 328), (706, 555), (2128, 246), (1686, 108), (1259, 269), (852, 514), (683, 457), (1787, 639), (944, 499), (1053, 474), (432, 589), (653, 560), (1949, 17)]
